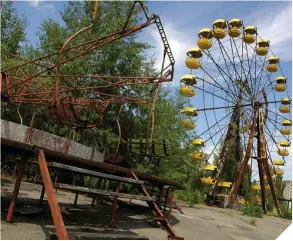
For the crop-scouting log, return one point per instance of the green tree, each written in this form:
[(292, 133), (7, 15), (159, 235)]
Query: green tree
[(12, 29)]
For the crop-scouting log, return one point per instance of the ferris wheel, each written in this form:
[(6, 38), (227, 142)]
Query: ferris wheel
[(238, 101)]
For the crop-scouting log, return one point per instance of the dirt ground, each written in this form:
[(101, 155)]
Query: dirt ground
[(200, 222)]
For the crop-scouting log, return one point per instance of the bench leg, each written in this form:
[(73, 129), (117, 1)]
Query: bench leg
[(53, 204), (93, 201), (28, 172), (15, 191), (75, 199), (169, 214), (42, 196), (114, 210)]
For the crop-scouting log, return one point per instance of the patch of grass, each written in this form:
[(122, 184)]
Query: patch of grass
[(286, 214), (252, 211), (252, 222)]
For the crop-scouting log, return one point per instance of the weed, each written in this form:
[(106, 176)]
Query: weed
[(252, 222), (253, 211)]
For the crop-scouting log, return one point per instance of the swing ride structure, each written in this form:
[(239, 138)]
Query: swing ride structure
[(69, 97), (241, 93)]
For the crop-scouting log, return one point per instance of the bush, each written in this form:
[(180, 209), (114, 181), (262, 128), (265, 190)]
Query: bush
[(286, 213), (194, 197), (253, 211)]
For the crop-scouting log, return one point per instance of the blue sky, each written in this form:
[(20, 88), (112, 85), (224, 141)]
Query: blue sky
[(182, 21)]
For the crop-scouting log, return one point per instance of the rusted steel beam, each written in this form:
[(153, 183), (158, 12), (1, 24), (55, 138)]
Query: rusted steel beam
[(244, 162), (15, 190), (54, 207), (114, 209), (260, 165), (264, 160), (223, 155), (157, 212)]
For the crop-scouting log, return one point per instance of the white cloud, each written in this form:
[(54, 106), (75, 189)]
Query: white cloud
[(276, 26), (33, 3), (49, 8), (178, 40)]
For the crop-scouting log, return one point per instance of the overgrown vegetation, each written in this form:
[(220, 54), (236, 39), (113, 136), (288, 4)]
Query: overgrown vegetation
[(252, 210)]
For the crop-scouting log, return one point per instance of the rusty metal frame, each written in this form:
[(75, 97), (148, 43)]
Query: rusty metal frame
[(34, 88), (160, 217)]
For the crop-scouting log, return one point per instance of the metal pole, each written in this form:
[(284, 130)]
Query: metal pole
[(260, 166), (15, 191), (54, 207), (244, 163)]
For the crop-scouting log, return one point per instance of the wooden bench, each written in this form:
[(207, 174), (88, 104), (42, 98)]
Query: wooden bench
[(101, 192), (95, 173)]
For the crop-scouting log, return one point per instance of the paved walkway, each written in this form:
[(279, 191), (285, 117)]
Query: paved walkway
[(200, 222)]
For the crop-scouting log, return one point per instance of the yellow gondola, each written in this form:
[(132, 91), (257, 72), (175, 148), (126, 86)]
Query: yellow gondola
[(249, 34), (241, 201), (280, 87), (198, 142), (187, 91), (279, 172), (197, 156), (219, 27), (284, 143), (189, 111), (187, 124), (283, 152), (281, 80), (224, 184), (255, 187), (263, 47), (286, 123), (285, 131), (209, 168), (284, 109), (221, 195), (204, 41), (192, 62), (278, 162), (234, 27), (188, 79), (285, 101), (273, 64), (207, 180)]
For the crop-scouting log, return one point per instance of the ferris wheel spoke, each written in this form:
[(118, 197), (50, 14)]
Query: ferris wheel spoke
[(213, 94), (259, 76), (272, 122), (267, 131), (226, 91), (232, 63), (220, 69), (277, 114), (223, 118), (221, 88), (250, 63)]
